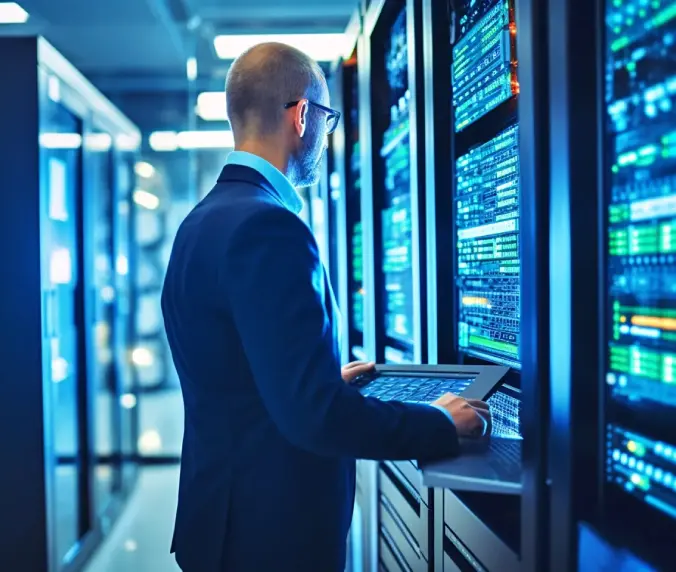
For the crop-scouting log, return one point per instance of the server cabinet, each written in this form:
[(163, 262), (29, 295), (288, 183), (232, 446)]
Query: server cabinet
[(468, 134), (392, 207), (64, 305), (613, 168), (393, 202), (346, 185)]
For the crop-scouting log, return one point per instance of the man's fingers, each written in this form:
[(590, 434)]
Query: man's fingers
[(478, 404), (355, 364), (487, 419)]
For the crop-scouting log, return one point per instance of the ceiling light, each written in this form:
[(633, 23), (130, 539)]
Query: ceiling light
[(146, 200), (122, 265), (211, 106), (205, 140), (60, 140), (320, 47), (127, 142), (172, 141), (163, 141), (98, 141), (191, 69), (12, 13), (145, 170)]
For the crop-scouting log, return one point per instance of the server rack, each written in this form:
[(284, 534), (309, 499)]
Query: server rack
[(602, 415), (399, 509), (472, 529), (345, 191), (378, 21), (62, 489)]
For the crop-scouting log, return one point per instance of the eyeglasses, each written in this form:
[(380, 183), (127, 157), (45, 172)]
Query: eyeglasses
[(332, 118)]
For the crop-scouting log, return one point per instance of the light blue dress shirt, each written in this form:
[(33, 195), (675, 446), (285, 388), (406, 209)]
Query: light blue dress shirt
[(286, 190), (275, 177)]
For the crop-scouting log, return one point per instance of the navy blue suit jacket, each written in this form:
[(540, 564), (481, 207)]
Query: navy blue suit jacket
[(271, 430)]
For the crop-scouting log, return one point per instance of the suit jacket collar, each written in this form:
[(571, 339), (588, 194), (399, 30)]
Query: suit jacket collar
[(241, 174)]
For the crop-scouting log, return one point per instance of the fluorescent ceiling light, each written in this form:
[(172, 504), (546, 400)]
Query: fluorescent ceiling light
[(163, 141), (144, 169), (320, 47), (211, 106), (127, 142), (60, 140), (172, 141), (191, 69), (205, 140), (12, 13), (98, 141), (146, 200)]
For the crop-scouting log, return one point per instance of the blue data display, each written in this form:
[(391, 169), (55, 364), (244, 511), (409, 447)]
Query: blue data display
[(488, 266), (643, 467), (640, 261), (505, 407), (483, 73), (357, 278), (397, 264), (354, 201), (641, 201)]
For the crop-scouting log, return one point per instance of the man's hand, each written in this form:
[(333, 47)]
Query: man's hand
[(356, 368), (472, 417)]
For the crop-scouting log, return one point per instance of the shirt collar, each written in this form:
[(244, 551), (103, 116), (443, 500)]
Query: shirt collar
[(275, 177)]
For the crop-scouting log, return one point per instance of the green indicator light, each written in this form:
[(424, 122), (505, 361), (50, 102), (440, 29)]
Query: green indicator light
[(620, 43), (665, 16)]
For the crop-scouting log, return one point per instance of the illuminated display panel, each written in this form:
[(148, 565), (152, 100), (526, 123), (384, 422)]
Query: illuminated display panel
[(354, 202), (640, 200), (396, 215), (357, 278), (488, 264), (483, 73)]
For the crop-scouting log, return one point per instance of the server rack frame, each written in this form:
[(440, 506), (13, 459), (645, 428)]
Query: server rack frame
[(338, 177), (28, 534), (373, 182), (369, 472), (574, 216), (533, 69)]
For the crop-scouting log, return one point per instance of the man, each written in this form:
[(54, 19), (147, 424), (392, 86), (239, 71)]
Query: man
[(271, 427)]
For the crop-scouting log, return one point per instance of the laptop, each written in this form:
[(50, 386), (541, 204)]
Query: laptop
[(491, 464)]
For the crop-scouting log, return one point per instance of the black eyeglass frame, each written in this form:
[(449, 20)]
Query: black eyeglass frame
[(333, 114)]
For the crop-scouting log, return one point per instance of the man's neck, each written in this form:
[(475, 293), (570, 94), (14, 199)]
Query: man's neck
[(273, 154)]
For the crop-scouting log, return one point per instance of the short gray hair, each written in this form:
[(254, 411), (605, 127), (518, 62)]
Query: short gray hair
[(262, 80)]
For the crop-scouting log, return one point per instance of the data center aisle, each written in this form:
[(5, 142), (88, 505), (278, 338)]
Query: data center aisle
[(140, 540)]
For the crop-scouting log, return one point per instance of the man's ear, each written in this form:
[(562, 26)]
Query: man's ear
[(300, 119)]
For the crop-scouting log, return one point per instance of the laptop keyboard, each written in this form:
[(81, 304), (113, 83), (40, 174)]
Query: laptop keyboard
[(506, 459), (414, 389)]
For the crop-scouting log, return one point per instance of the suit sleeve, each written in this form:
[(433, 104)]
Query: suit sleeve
[(275, 291)]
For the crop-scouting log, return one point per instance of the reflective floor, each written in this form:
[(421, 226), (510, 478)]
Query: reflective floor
[(161, 423), (140, 540)]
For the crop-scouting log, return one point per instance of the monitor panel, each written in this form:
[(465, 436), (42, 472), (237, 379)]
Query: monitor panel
[(639, 169), (487, 187), (484, 63), (487, 222), (354, 217), (396, 219)]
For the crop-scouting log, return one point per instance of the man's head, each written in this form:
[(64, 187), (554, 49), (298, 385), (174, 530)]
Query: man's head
[(275, 95)]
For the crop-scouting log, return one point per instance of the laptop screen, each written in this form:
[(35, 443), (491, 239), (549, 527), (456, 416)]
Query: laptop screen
[(505, 405)]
